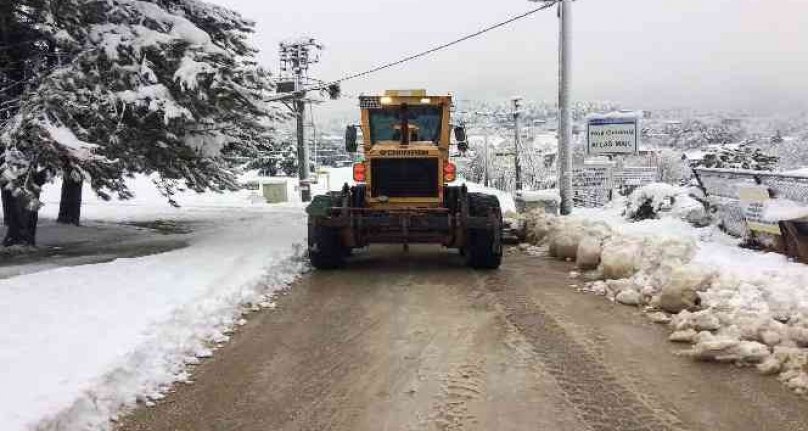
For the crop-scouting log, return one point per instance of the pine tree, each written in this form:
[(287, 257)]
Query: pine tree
[(28, 51), (165, 86)]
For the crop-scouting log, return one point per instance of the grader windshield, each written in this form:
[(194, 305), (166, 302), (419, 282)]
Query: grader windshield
[(422, 122)]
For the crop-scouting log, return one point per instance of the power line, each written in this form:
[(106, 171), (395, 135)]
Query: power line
[(324, 85), (546, 5)]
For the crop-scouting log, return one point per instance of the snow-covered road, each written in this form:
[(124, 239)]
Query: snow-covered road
[(79, 342)]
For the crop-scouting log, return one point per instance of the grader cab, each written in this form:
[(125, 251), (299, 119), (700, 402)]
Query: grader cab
[(404, 188)]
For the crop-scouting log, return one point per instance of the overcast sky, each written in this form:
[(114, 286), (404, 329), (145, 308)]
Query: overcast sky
[(645, 54)]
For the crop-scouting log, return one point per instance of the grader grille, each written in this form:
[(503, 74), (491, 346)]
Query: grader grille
[(404, 177)]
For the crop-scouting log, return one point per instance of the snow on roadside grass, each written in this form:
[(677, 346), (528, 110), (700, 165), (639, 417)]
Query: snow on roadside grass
[(731, 304), (148, 204), (81, 343)]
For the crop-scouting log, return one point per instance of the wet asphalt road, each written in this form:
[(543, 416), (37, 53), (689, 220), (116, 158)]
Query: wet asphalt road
[(417, 341)]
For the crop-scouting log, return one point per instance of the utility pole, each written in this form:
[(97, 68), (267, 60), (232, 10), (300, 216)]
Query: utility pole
[(564, 111), (486, 131), (487, 160), (517, 105), (303, 173), (295, 58)]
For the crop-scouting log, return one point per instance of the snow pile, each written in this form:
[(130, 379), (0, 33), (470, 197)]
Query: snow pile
[(537, 225), (568, 237), (590, 249), (188, 72), (166, 29), (681, 292), (784, 209), (798, 172), (657, 199), (157, 98), (67, 139), (550, 195), (548, 200), (727, 348), (730, 304)]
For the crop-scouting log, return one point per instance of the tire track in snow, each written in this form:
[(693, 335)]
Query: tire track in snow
[(600, 400)]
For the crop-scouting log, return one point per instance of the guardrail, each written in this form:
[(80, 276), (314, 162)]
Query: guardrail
[(594, 185)]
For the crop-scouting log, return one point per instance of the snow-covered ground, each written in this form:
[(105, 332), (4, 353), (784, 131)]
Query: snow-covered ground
[(93, 242), (731, 304), (505, 198), (78, 343)]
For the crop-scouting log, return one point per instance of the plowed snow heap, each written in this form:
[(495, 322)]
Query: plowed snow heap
[(403, 194)]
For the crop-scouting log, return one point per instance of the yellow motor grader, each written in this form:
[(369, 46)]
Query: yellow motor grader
[(402, 193)]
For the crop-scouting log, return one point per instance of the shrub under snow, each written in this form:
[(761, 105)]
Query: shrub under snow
[(657, 199), (728, 314)]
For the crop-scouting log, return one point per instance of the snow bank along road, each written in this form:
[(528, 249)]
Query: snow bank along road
[(79, 342), (418, 341)]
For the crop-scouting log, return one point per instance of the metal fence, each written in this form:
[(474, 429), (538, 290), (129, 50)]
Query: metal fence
[(635, 176), (594, 185), (722, 188)]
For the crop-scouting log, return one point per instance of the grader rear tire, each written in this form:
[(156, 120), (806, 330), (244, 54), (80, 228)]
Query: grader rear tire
[(484, 247), (325, 249)]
